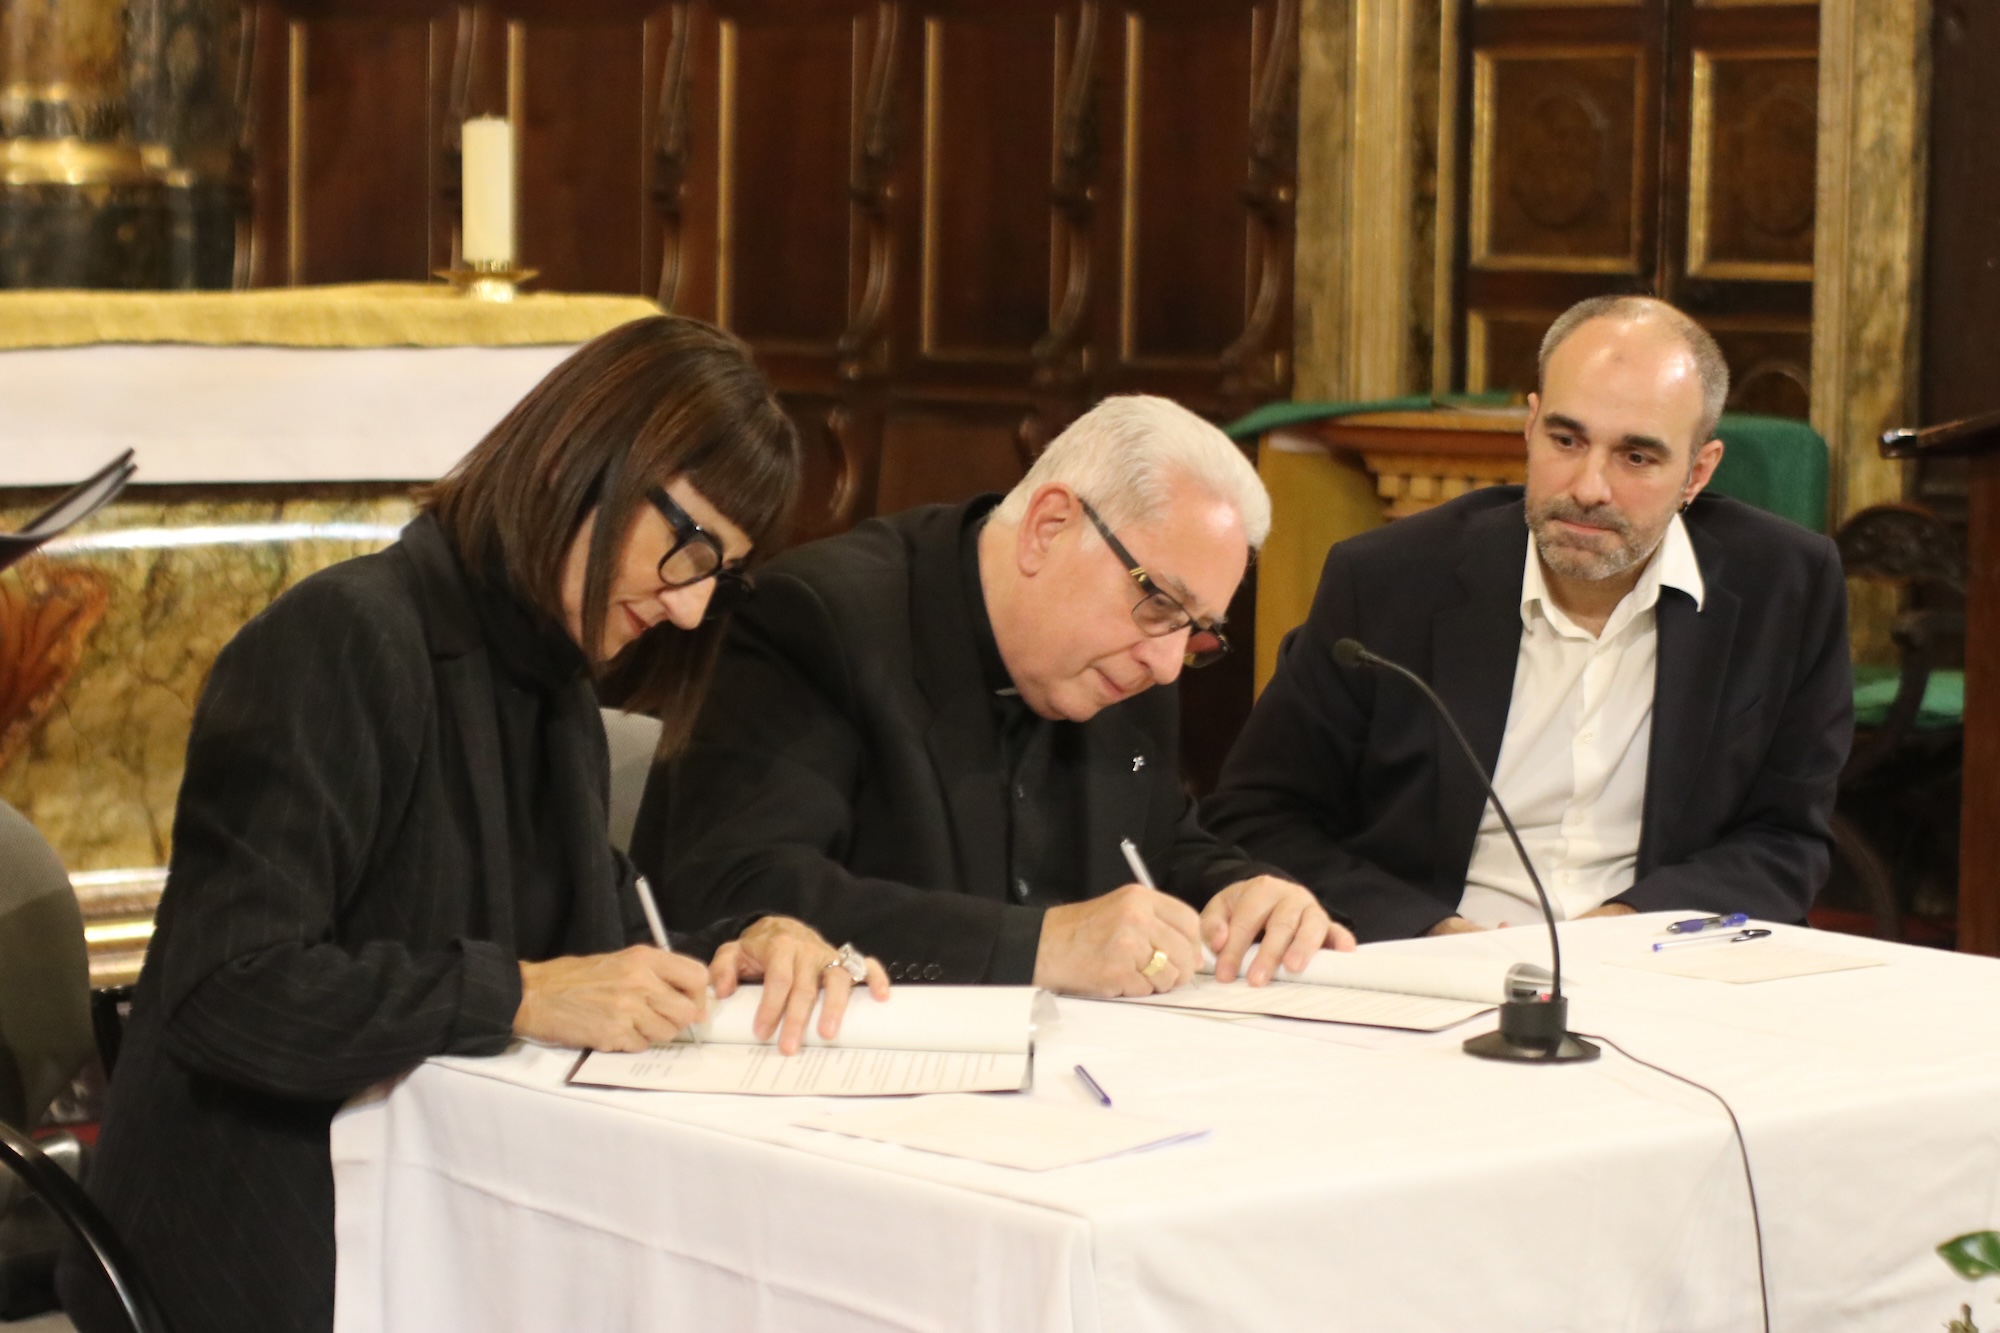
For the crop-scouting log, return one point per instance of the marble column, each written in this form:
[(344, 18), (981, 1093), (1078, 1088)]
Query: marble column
[(77, 206), (1375, 102), (1874, 64)]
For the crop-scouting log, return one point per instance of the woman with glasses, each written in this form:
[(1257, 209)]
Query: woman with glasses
[(391, 839)]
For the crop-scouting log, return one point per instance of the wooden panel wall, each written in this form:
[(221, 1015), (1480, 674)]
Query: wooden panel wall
[(946, 226), (1659, 146)]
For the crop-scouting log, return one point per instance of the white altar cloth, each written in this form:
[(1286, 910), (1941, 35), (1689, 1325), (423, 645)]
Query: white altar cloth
[(1365, 1185), (198, 414)]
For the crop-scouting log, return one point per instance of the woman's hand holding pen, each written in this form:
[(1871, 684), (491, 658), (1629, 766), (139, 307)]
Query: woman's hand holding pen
[(625, 1001), (794, 963)]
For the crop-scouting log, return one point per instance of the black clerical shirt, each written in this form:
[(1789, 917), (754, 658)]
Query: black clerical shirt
[(1041, 764)]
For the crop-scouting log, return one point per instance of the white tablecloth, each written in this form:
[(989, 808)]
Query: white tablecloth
[(1347, 1183)]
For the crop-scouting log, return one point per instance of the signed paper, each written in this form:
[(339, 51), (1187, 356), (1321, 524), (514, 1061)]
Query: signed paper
[(922, 1039)]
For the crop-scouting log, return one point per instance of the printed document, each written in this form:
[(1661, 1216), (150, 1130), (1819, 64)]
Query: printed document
[(923, 1039)]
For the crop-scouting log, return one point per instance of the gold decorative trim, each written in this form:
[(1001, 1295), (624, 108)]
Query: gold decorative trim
[(1701, 168), (70, 162), (517, 120), (295, 153), (1379, 201), (1476, 369), (928, 228), (1484, 146), (1444, 290), (725, 173), (1578, 4), (1128, 222)]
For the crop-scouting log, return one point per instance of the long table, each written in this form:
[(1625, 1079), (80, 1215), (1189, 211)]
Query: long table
[(1351, 1179)]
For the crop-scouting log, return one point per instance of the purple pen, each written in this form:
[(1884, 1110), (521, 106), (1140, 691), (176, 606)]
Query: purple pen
[(1709, 922)]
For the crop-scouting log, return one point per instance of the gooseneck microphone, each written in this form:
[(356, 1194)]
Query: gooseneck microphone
[(1533, 1031)]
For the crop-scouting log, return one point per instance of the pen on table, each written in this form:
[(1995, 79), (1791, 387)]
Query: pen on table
[(1102, 1096), (1705, 922), (1132, 859), (1737, 938), (644, 889)]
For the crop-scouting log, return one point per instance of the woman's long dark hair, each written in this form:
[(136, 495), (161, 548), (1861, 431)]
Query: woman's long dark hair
[(649, 401)]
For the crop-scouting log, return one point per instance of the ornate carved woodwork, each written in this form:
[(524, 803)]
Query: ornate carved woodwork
[(945, 226), (1978, 441), (1660, 146)]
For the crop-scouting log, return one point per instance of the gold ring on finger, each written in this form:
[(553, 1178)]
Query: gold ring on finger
[(1154, 964)]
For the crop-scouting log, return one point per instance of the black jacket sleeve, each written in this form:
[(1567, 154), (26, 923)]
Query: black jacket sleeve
[(1289, 791), (302, 754), (758, 813)]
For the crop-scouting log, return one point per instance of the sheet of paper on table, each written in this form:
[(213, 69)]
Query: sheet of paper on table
[(1321, 1004), (1005, 1131), (923, 1039), (1751, 960), (1367, 987)]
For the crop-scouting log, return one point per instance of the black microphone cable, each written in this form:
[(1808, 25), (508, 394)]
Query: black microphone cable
[(1742, 1150)]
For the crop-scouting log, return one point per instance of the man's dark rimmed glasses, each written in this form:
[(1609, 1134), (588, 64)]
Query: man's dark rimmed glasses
[(1159, 613), (696, 555)]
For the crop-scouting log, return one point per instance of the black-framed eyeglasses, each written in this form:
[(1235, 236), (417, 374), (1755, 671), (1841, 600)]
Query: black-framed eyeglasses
[(1159, 613), (696, 554)]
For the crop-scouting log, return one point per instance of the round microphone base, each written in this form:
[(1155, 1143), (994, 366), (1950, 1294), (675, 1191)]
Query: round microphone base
[(1533, 1032)]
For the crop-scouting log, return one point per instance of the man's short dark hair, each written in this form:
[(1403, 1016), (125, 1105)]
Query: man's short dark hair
[(1710, 367)]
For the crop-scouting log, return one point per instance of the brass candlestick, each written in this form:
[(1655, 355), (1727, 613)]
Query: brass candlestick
[(487, 279)]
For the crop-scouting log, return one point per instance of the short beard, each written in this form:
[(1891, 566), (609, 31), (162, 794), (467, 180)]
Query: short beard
[(1576, 561)]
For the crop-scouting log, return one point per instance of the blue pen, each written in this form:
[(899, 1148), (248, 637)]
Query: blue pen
[(1706, 922), (1738, 938), (1091, 1083)]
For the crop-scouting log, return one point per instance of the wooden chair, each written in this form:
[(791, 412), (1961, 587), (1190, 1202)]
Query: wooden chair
[(1897, 812)]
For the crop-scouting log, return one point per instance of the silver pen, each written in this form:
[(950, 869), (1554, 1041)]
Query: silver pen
[(651, 908), (1138, 865)]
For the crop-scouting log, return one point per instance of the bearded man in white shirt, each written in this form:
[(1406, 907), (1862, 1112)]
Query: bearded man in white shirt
[(1657, 679)]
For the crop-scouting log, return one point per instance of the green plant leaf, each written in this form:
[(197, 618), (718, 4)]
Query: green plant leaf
[(1973, 1255)]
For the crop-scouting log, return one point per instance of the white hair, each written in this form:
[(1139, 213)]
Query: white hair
[(1126, 453)]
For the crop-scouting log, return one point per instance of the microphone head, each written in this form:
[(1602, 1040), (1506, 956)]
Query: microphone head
[(1349, 652)]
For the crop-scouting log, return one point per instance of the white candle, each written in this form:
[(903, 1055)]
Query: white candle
[(488, 155)]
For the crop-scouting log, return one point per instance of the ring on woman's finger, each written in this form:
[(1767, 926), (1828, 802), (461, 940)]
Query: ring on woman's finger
[(849, 960), (1154, 964)]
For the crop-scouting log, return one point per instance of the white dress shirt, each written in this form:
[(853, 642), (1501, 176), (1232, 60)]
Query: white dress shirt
[(1572, 764)]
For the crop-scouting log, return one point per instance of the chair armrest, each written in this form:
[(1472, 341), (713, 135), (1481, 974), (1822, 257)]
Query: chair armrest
[(68, 1201)]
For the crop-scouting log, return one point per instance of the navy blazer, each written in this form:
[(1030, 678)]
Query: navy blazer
[(846, 769), (1348, 780)]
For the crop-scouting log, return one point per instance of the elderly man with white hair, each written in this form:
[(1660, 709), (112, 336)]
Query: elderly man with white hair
[(929, 735)]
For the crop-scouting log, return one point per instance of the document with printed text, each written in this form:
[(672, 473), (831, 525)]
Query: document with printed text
[(923, 1039)]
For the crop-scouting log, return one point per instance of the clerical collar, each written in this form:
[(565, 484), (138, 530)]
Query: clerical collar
[(992, 668)]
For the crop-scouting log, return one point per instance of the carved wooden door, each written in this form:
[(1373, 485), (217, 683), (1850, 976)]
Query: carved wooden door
[(1657, 146)]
